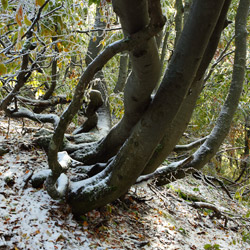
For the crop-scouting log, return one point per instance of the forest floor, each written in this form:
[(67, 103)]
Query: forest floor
[(147, 218)]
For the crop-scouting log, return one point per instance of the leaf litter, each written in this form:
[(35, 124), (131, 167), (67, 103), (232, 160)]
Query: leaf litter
[(146, 218)]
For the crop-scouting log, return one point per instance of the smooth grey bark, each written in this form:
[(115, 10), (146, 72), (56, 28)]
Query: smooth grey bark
[(187, 5), (164, 49), (132, 158), (41, 118), (123, 73), (140, 84), (95, 101), (101, 121), (94, 48), (178, 20), (186, 147), (174, 133), (209, 148)]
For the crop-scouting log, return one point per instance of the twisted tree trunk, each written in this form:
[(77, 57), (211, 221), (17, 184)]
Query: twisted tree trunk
[(145, 62), (135, 153)]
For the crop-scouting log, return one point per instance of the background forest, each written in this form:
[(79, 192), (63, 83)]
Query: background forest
[(48, 48), (59, 50)]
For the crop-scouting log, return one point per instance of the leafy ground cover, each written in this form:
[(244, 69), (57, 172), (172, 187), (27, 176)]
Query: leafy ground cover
[(146, 218)]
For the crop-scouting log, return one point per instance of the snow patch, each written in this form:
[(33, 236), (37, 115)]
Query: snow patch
[(64, 159), (62, 184)]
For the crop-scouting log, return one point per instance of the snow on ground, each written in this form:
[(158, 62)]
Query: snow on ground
[(148, 218)]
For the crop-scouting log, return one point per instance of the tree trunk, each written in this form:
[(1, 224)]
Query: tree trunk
[(135, 40), (181, 120), (104, 116), (54, 76), (132, 158), (140, 84), (187, 5), (123, 73), (178, 20), (209, 148)]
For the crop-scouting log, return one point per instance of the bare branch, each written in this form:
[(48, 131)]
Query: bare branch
[(181, 148), (165, 170), (36, 19), (44, 103), (220, 58), (96, 30), (41, 118)]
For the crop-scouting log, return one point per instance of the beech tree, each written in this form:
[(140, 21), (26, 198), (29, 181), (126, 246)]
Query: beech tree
[(154, 117)]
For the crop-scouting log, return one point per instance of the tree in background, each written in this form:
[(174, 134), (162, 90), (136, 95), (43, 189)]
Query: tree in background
[(151, 125)]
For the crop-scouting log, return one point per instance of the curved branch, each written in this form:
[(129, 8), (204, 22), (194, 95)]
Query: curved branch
[(164, 170), (97, 64), (21, 80), (209, 148), (36, 19), (181, 148), (140, 83), (44, 103), (41, 118), (174, 133), (133, 156)]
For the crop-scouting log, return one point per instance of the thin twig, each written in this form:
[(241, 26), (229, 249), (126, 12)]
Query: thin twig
[(96, 30)]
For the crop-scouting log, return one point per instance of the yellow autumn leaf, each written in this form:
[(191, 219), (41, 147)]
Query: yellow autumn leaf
[(59, 46), (3, 69), (94, 38), (4, 4), (103, 42), (37, 232), (27, 21), (19, 15), (59, 65), (40, 2)]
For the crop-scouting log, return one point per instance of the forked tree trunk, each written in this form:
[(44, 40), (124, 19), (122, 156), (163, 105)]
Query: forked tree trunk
[(181, 120), (135, 153), (138, 42), (209, 148)]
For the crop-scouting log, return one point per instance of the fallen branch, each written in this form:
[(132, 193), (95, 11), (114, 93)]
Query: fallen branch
[(210, 180), (217, 213)]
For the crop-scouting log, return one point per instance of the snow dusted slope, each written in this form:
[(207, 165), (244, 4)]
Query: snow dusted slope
[(148, 218)]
